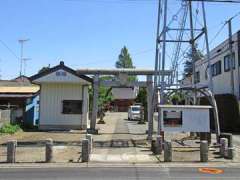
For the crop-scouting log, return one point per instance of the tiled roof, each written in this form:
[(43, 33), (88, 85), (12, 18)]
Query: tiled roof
[(17, 87)]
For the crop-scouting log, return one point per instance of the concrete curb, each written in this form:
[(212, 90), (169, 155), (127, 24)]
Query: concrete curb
[(107, 165)]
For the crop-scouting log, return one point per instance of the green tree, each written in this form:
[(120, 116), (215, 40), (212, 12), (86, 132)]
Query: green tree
[(104, 96), (188, 64), (125, 61)]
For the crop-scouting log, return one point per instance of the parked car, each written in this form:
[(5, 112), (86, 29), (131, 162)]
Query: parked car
[(134, 112)]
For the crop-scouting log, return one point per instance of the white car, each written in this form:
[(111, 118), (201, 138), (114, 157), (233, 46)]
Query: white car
[(134, 112)]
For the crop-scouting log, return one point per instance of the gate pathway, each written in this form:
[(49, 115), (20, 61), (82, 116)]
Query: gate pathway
[(125, 141)]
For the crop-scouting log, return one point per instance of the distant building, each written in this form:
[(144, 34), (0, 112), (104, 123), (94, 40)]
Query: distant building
[(15, 94), (123, 97)]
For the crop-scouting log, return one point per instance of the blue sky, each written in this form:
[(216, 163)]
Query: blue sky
[(87, 33)]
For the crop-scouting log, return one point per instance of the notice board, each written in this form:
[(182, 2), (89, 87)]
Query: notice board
[(178, 118)]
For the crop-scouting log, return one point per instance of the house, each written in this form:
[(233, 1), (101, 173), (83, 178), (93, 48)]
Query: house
[(123, 97), (63, 98), (14, 95), (220, 67)]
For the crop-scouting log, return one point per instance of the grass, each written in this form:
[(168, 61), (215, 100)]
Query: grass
[(8, 128)]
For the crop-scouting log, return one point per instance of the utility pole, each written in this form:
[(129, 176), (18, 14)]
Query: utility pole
[(210, 80), (230, 41), (22, 41)]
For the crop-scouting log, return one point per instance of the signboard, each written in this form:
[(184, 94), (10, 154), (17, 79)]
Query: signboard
[(175, 118)]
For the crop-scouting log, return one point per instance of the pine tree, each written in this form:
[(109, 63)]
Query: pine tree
[(188, 64), (124, 59)]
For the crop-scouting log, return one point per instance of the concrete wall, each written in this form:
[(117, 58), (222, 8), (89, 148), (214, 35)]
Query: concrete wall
[(51, 97)]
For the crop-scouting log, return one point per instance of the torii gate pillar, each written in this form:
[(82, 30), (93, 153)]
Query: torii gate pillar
[(149, 106), (93, 121)]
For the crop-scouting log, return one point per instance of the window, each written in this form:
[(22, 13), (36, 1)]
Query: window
[(197, 77), (227, 64), (135, 108), (72, 107), (216, 68)]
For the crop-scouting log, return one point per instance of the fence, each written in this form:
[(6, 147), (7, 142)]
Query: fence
[(5, 116)]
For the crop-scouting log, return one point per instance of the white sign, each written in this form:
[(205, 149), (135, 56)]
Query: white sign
[(185, 118)]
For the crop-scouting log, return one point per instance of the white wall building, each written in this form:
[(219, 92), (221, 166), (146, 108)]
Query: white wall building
[(220, 67), (63, 98)]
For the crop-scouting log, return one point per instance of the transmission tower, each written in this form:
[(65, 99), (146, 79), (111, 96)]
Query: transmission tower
[(184, 32)]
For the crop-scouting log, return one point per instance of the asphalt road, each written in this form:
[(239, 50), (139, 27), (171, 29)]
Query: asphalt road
[(114, 173)]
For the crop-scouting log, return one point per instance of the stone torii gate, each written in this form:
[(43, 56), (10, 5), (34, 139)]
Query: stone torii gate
[(121, 80)]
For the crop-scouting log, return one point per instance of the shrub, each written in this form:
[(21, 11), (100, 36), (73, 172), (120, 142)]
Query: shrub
[(9, 128)]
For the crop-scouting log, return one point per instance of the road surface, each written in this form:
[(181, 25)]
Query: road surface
[(95, 173)]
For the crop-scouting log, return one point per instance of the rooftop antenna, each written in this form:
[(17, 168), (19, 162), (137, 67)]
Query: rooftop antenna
[(25, 65), (22, 41)]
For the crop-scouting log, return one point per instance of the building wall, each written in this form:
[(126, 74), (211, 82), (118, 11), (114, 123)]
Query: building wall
[(51, 97), (221, 82)]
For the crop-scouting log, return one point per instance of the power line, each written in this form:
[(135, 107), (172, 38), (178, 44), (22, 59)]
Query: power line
[(221, 28), (9, 49)]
